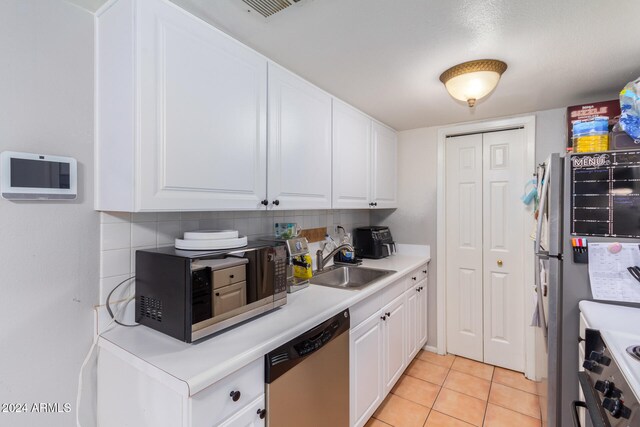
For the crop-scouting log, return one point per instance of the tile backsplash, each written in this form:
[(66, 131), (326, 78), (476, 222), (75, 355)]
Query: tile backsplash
[(121, 234)]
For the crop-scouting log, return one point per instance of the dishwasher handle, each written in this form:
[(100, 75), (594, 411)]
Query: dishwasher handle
[(288, 355)]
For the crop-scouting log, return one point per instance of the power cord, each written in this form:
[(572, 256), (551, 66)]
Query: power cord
[(109, 305), (85, 362)]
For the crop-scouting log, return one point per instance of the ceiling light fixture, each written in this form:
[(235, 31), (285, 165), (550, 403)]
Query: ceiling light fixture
[(473, 80)]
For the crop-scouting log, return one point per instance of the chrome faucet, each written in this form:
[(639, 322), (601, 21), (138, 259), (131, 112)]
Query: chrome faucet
[(321, 262)]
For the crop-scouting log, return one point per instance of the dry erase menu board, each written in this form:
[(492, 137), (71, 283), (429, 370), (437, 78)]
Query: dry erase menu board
[(605, 194)]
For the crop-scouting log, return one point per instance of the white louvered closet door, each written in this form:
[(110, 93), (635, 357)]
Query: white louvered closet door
[(485, 239), (504, 174), (464, 245)]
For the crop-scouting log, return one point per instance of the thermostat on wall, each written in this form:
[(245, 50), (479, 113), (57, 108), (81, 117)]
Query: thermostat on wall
[(27, 176)]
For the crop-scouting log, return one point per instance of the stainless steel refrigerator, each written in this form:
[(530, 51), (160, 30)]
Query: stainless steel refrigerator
[(559, 221)]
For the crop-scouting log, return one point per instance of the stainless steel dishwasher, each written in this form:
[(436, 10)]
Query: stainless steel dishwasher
[(308, 378)]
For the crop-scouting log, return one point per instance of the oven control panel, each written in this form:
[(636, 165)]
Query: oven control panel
[(608, 398)]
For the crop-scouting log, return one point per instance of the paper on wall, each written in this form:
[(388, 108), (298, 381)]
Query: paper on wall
[(608, 274)]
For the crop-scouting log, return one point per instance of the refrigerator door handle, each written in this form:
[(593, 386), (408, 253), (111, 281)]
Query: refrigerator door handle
[(541, 207), (539, 296)]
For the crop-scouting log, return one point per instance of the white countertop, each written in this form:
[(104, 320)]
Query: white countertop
[(619, 326), (193, 367)]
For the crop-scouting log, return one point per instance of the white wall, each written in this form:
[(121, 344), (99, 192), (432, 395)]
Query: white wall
[(551, 133), (48, 250), (415, 219)]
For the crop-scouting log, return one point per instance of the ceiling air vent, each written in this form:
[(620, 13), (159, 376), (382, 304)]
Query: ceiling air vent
[(268, 7)]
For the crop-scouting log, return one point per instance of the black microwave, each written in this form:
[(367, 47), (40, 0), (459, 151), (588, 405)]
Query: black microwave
[(192, 294)]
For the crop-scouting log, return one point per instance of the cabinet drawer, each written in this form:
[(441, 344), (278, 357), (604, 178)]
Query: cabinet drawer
[(393, 291), (215, 403), (416, 276), (249, 416), (423, 272), (412, 279), (228, 276), (364, 309)]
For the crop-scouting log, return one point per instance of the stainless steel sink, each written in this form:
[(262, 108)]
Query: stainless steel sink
[(349, 277)]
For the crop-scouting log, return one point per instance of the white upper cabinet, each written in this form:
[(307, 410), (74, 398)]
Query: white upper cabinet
[(385, 167), (299, 165), (183, 122), (351, 157), (181, 113), (364, 161)]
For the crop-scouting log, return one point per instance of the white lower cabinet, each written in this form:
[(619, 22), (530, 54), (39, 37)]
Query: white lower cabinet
[(131, 397), (416, 301), (377, 355), (365, 362), (411, 298), (383, 344), (394, 339), (422, 318), (229, 396)]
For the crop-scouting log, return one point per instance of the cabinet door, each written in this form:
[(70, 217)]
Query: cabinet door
[(201, 115), (422, 314), (351, 158), (385, 169), (299, 168), (412, 330), (249, 416), (394, 343), (365, 369)]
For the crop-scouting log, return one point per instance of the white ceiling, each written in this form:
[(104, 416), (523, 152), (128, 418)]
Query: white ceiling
[(385, 56)]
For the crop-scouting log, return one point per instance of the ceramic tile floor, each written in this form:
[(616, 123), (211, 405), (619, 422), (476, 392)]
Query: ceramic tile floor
[(451, 391)]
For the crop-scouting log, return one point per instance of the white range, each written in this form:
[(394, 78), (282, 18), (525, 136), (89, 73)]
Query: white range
[(611, 380)]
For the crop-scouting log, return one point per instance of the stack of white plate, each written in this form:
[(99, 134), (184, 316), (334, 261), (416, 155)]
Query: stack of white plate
[(211, 240)]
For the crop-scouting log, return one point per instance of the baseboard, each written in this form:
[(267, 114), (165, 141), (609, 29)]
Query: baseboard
[(430, 348)]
